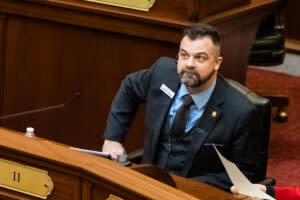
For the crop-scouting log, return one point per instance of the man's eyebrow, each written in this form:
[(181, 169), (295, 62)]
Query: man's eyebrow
[(198, 53), (181, 49), (201, 53)]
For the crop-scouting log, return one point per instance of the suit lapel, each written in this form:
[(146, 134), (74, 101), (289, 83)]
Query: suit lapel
[(165, 102), (206, 123)]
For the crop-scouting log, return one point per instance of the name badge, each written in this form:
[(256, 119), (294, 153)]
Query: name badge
[(167, 91)]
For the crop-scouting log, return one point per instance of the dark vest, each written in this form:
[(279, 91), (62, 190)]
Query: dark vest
[(171, 154)]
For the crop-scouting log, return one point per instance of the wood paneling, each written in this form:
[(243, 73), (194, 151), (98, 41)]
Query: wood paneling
[(2, 56), (292, 19), (56, 65), (292, 24), (210, 7)]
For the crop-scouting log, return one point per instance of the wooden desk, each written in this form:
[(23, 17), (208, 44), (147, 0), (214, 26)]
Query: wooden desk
[(187, 185), (50, 49), (78, 175)]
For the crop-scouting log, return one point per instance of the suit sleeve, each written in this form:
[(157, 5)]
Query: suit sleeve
[(247, 145), (132, 92)]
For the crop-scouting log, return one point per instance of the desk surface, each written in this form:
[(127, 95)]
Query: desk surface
[(100, 172)]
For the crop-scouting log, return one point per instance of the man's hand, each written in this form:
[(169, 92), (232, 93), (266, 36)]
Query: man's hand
[(113, 148), (237, 195)]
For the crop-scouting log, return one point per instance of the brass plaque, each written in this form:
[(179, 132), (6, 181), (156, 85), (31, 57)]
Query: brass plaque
[(143, 5), (113, 197), (25, 179)]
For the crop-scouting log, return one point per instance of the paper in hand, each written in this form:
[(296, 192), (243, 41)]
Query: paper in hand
[(97, 153), (241, 183)]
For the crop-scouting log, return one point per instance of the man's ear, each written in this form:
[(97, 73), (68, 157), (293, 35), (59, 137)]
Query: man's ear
[(218, 62)]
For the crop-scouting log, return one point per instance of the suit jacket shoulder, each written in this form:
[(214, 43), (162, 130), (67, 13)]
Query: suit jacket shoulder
[(233, 99)]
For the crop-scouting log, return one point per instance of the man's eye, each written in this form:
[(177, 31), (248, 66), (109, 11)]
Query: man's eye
[(183, 55), (200, 58)]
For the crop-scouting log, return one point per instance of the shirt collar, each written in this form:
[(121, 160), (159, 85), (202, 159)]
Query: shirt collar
[(200, 98)]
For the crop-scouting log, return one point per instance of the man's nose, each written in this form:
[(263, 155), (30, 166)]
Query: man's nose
[(190, 62)]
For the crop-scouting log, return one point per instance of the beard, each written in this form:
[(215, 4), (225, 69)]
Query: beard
[(191, 78)]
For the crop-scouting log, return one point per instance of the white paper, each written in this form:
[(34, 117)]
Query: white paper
[(99, 153), (241, 183)]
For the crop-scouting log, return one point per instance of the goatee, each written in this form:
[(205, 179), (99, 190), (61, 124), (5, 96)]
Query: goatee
[(192, 78)]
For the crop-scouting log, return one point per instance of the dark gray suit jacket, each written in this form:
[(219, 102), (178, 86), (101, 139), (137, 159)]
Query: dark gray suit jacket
[(232, 130)]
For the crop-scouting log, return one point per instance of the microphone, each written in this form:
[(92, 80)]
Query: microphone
[(75, 96)]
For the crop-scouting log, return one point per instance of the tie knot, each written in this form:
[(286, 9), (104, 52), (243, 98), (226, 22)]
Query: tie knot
[(187, 100)]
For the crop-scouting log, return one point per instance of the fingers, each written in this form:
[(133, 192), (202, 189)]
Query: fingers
[(236, 194), (233, 190), (113, 148), (239, 196), (242, 197)]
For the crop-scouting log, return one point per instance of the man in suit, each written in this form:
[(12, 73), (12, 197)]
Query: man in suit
[(216, 113)]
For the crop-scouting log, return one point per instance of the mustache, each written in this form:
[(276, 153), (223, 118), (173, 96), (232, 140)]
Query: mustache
[(191, 71)]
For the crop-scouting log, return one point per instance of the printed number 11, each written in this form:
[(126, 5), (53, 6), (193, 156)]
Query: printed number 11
[(17, 177)]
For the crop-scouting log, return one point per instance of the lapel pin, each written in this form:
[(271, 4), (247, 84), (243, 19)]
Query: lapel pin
[(214, 114)]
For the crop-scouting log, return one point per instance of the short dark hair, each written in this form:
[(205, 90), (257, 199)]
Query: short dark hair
[(198, 31)]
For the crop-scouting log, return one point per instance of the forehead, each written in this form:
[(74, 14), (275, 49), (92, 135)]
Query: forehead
[(199, 45)]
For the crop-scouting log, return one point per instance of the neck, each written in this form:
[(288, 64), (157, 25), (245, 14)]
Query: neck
[(203, 86)]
